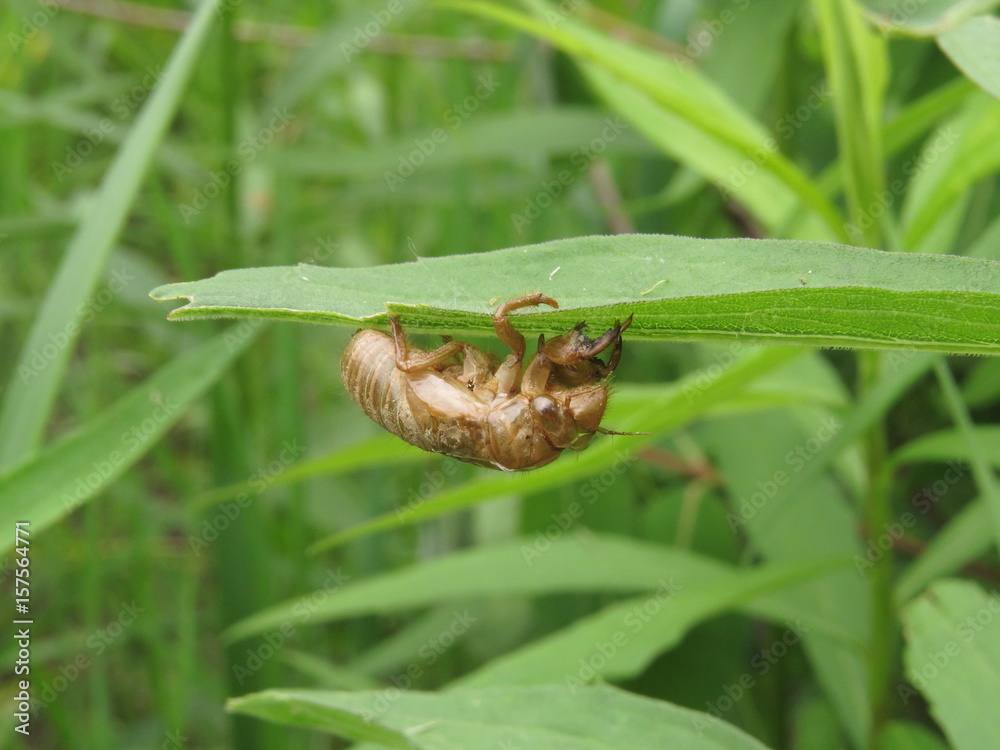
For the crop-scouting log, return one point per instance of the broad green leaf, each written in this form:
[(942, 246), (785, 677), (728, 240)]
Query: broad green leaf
[(531, 567), (974, 47), (622, 640), (926, 17), (552, 717), (42, 360), (76, 468), (952, 656), (676, 287)]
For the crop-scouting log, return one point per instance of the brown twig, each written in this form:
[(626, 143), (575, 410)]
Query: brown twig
[(284, 35)]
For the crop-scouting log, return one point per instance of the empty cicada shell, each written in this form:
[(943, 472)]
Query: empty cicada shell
[(460, 401)]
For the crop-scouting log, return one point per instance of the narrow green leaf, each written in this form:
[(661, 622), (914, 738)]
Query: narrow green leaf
[(950, 445), (505, 135), (952, 656), (620, 641), (974, 47), (531, 567), (672, 85), (963, 151), (677, 287), (553, 717), (979, 459), (967, 536), (80, 465), (856, 65), (43, 358)]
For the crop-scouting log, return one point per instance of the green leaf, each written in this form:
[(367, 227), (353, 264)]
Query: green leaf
[(905, 735), (856, 65), (966, 537), (978, 452), (600, 563), (950, 445), (553, 717), (508, 135), (926, 17), (80, 465), (677, 88), (963, 151), (677, 288), (974, 47), (622, 640), (36, 377), (953, 657)]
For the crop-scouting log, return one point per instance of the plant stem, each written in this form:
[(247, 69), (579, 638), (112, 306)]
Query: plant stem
[(876, 517)]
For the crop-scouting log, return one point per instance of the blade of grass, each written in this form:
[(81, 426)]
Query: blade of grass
[(982, 469), (79, 466), (32, 391), (680, 90)]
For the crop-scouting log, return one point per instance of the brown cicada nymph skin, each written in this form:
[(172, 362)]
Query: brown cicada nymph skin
[(477, 409)]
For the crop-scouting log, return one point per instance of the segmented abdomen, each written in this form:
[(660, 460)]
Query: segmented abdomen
[(369, 372)]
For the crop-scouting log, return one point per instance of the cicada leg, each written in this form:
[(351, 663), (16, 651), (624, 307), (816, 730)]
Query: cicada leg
[(509, 372), (411, 360)]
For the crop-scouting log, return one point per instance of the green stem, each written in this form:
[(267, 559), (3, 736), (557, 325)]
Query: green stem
[(877, 512)]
